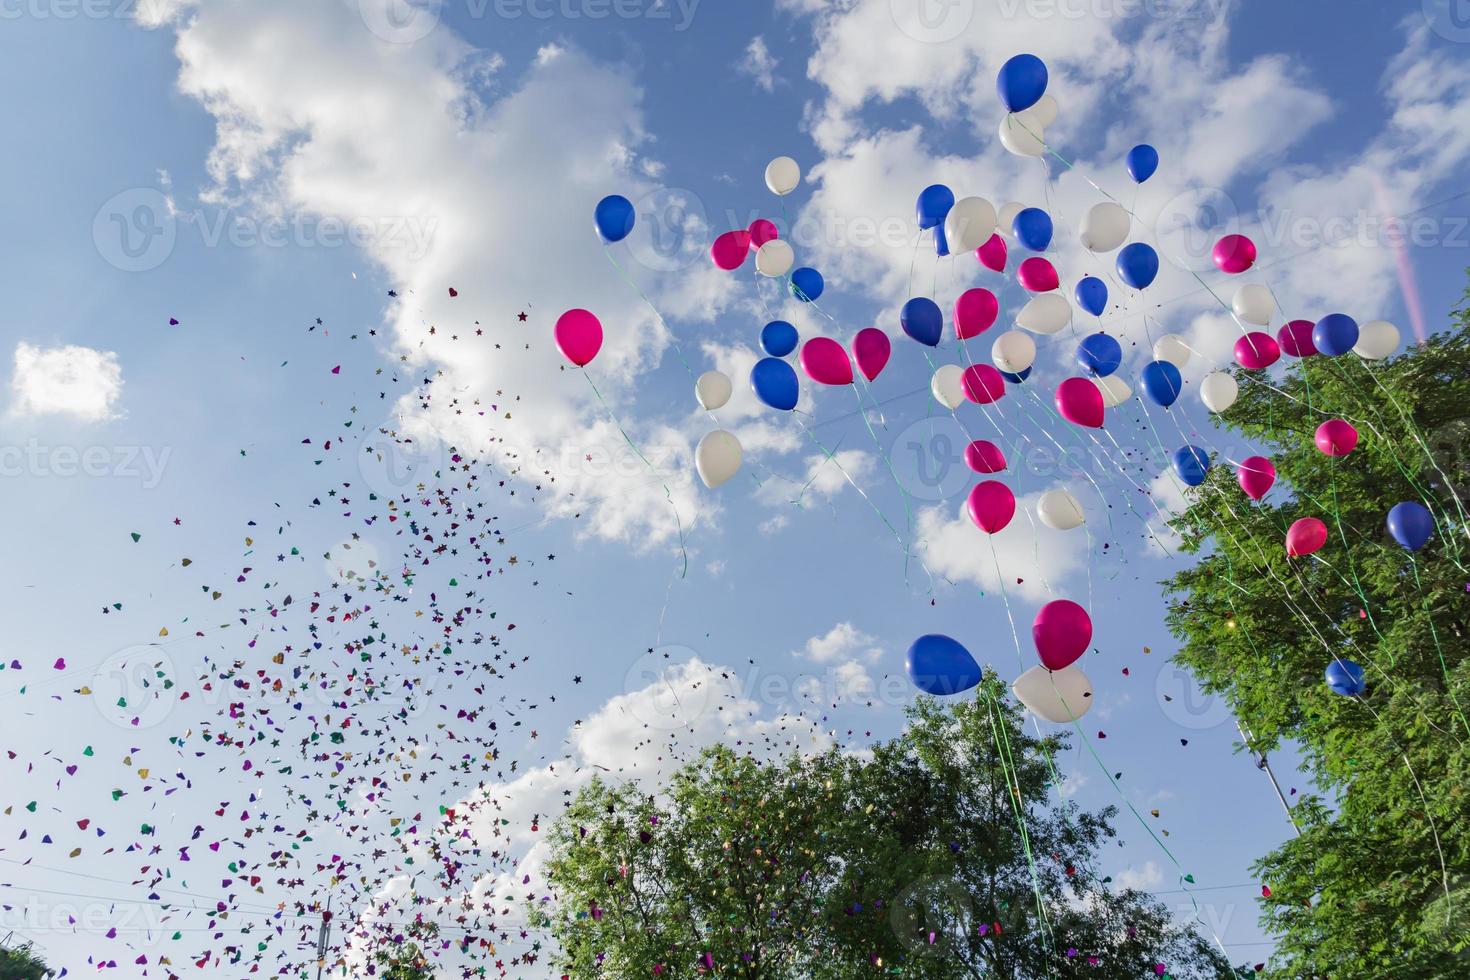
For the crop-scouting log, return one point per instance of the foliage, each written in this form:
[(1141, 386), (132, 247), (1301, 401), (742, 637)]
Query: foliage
[(407, 960), (21, 963)]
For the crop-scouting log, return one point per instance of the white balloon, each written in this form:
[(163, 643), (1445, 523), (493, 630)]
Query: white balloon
[(1013, 351), (969, 224), (1171, 347), (1376, 340), (1115, 390), (1105, 227), (1045, 109), (1060, 510), (717, 457), (1023, 134), (1046, 313), (1005, 219), (713, 390), (1254, 303), (775, 258), (1218, 391), (782, 175), (948, 386), (1058, 696)]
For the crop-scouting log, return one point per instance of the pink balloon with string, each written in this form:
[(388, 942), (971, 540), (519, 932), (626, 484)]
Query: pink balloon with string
[(578, 336), (1256, 475), (1257, 351), (992, 254), (870, 348), (991, 506), (1336, 437), (1037, 275), (975, 312), (762, 230)]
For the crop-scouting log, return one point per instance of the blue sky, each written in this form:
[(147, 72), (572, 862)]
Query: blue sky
[(354, 161)]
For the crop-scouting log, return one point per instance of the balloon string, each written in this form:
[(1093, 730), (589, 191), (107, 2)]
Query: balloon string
[(1438, 649), (883, 455)]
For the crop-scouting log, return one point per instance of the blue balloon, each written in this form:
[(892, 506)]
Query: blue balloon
[(778, 338), (1092, 295), (613, 218), (934, 204), (1191, 463), (1016, 379), (1100, 354), (922, 320), (1032, 228), (1346, 678), (1138, 264), (1021, 82), (775, 383), (1162, 382), (1411, 524), (938, 664), (1143, 160), (941, 244), (1335, 334), (806, 284)]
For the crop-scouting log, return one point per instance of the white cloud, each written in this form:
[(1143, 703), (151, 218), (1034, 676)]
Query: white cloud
[(77, 381), (759, 64), (1031, 556), (842, 642), (1142, 879)]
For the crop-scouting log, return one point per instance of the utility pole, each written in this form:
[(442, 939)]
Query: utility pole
[(1263, 764), (323, 938)]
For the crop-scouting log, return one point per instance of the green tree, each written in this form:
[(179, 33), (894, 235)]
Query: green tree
[(406, 960), (1376, 884), (910, 861), (21, 963)]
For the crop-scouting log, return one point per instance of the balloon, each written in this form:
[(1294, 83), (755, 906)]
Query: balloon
[(1295, 338), (1162, 382), (922, 320), (778, 338), (1255, 474), (1114, 390), (613, 218), (1005, 218), (974, 312), (991, 506), (1234, 254), (1024, 134), (1080, 402), (1345, 677), (1335, 334), (1045, 313), (1138, 264), (984, 457), (992, 254), (774, 259), (870, 348), (1099, 354), (1062, 632), (825, 361), (933, 204), (1058, 696), (1254, 303), (1021, 82), (983, 384), (1060, 510), (1092, 295), (948, 386), (1411, 524), (941, 244), (1045, 110), (1032, 227), (1257, 350), (717, 457), (762, 230), (1143, 160), (713, 390), (1013, 351), (1192, 464), (969, 224), (782, 176), (729, 250), (1336, 437), (1305, 536), (1016, 377), (774, 382), (578, 336), (807, 284), (1218, 391), (1105, 227), (1037, 275), (1172, 348), (939, 665), (1376, 340)]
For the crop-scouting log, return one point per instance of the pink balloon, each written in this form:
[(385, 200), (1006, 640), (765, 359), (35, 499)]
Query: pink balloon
[(762, 230), (1305, 536), (974, 312), (1255, 474), (983, 384), (1062, 632), (578, 336), (1080, 402), (1235, 254), (1296, 338), (984, 457), (730, 249), (825, 361), (1336, 437), (992, 505), (871, 348), (992, 254), (1257, 350), (1037, 275)]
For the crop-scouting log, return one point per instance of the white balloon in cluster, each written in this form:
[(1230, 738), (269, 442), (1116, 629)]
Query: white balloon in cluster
[(1045, 110), (1104, 227), (782, 175), (1172, 348), (713, 390), (717, 457), (948, 386), (1060, 510), (969, 224), (1254, 303), (1013, 351), (775, 258), (1115, 390), (1023, 133), (1376, 340), (1005, 219), (1045, 314), (1058, 696), (1218, 391)]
